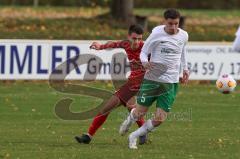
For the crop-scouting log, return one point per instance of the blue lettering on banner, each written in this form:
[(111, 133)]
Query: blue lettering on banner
[(14, 53), (39, 58), (56, 59), (2, 56), (75, 50)]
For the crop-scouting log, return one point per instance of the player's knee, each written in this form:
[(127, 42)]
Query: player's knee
[(156, 122), (160, 117), (130, 106), (138, 113)]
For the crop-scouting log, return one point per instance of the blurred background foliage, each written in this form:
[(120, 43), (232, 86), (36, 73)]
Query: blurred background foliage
[(206, 20), (186, 4)]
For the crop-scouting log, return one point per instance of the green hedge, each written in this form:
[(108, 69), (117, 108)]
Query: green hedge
[(101, 29)]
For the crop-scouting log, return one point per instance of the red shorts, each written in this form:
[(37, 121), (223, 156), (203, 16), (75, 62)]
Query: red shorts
[(127, 91)]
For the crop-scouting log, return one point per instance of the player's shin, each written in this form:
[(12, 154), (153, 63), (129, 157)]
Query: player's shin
[(97, 123)]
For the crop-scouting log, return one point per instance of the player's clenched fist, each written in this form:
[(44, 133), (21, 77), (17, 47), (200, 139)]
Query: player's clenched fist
[(96, 46)]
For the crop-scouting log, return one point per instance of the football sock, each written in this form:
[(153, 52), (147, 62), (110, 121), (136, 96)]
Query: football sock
[(97, 123), (143, 130), (140, 122), (131, 119)]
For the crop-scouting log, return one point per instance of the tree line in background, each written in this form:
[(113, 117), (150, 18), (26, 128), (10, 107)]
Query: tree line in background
[(187, 4)]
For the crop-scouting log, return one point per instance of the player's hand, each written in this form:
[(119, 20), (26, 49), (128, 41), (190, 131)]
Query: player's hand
[(185, 77), (95, 45), (147, 66)]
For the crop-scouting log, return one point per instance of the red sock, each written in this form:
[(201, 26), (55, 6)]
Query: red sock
[(97, 123), (140, 122)]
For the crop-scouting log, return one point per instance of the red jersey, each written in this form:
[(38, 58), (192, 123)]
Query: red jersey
[(136, 67)]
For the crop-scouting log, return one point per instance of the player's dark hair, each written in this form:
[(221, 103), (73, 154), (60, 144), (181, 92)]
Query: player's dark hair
[(172, 14), (136, 28)]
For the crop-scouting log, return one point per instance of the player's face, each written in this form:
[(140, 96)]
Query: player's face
[(171, 25), (135, 40)]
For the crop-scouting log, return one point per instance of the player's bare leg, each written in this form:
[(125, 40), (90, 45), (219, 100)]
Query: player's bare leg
[(112, 103), (131, 104), (98, 121)]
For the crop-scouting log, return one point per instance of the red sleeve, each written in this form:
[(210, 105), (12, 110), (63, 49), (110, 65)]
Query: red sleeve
[(111, 44)]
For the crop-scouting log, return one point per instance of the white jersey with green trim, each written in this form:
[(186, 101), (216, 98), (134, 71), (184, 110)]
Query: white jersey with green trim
[(168, 55)]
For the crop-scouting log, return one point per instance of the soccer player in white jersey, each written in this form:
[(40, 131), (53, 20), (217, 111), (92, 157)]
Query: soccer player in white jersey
[(166, 44), (236, 43)]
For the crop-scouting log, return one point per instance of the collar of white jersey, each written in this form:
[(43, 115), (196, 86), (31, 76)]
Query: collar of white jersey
[(160, 28)]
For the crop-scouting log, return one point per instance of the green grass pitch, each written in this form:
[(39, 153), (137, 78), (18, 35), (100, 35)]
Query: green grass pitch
[(204, 124)]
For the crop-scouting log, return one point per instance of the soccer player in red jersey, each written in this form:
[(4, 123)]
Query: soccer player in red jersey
[(125, 94)]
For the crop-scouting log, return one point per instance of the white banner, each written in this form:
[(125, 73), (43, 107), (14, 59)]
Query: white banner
[(36, 59), (207, 61)]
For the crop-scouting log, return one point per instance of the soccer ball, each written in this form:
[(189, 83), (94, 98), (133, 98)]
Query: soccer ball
[(226, 84)]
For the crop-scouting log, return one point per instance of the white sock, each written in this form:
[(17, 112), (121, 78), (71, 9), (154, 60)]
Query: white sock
[(131, 118), (144, 129)]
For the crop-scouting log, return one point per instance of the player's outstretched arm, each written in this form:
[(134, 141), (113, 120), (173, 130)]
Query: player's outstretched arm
[(108, 45), (96, 46)]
